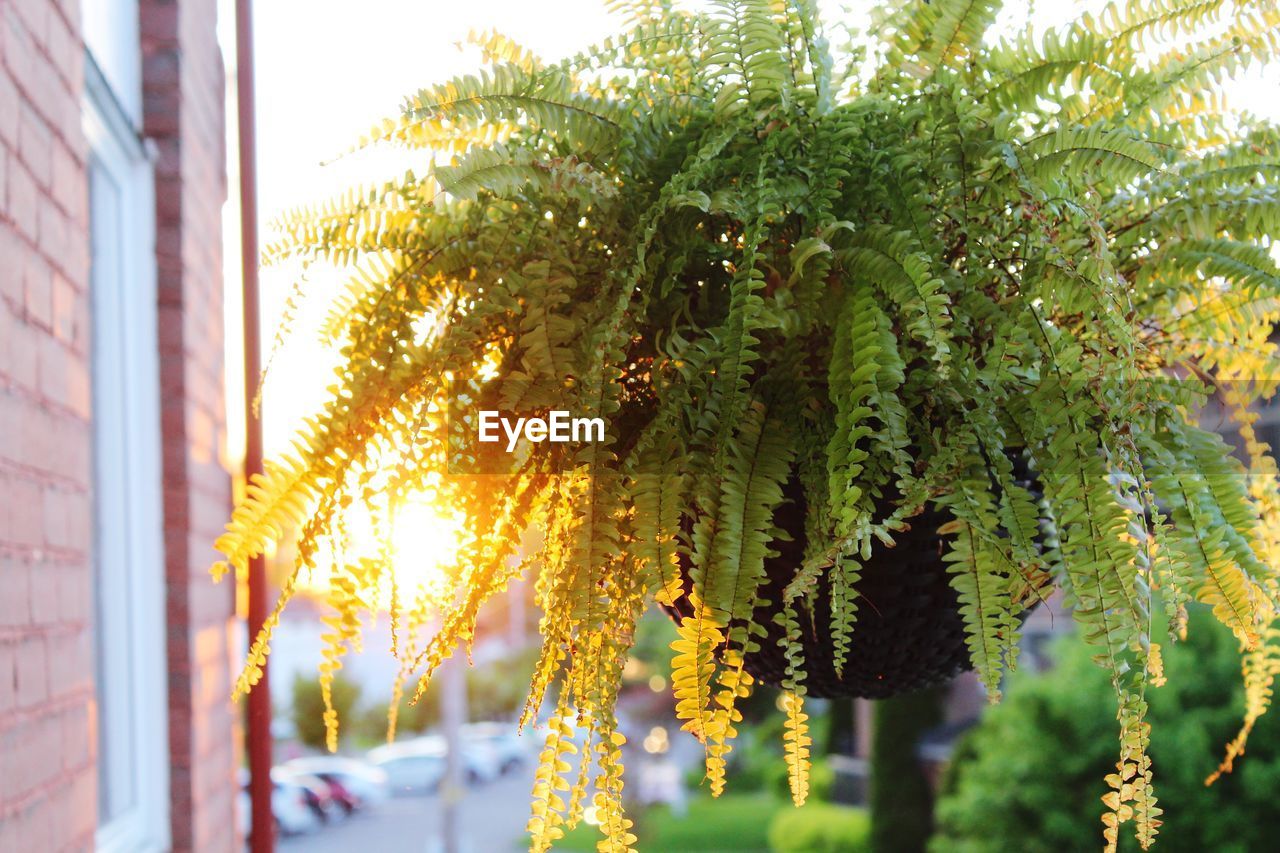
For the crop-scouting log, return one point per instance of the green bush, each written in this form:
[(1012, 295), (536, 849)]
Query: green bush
[(731, 823), (822, 779), (368, 726), (820, 828), (757, 764), (1029, 776)]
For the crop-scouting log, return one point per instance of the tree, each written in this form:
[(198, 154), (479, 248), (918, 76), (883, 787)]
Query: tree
[(309, 706), (901, 801), (1026, 778)]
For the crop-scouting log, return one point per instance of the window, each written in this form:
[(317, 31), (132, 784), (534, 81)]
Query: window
[(129, 637), (112, 36)]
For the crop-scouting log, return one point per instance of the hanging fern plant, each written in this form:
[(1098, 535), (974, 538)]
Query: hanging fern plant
[(883, 358)]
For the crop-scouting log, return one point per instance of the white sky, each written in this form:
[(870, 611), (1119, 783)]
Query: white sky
[(328, 70)]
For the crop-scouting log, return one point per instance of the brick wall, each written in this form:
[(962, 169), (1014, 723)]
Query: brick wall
[(47, 775), (183, 93), (47, 771)]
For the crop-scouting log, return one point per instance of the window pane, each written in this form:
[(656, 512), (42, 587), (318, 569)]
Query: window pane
[(117, 787)]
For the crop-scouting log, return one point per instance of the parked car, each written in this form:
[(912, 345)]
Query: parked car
[(480, 762), (410, 769), (346, 801), (509, 749), (290, 808), (364, 784), (319, 796)]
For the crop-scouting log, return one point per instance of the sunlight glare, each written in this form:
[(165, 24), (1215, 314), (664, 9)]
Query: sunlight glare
[(424, 543)]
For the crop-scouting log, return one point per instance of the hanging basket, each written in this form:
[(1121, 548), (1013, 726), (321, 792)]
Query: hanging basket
[(908, 634)]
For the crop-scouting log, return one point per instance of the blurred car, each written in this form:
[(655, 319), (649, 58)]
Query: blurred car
[(290, 807), (479, 761), (410, 769), (320, 797), (362, 785), (508, 748), (344, 796)]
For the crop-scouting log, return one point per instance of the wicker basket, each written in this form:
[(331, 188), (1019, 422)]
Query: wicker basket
[(908, 634)]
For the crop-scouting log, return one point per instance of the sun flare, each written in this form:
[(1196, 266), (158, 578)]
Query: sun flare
[(425, 538)]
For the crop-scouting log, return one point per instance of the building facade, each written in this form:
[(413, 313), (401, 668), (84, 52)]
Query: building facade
[(116, 729)]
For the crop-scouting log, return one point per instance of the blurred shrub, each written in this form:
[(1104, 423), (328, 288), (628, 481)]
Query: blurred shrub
[(652, 646), (495, 691), (820, 828), (308, 707), (822, 779), (734, 822), (756, 762), (1030, 775), (369, 724)]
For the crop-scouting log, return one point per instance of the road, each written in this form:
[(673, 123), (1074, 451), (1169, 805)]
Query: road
[(493, 820)]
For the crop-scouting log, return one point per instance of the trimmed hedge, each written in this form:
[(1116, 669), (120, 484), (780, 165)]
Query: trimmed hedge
[(820, 828)]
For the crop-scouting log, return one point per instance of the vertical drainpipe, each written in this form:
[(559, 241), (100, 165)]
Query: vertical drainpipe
[(258, 716)]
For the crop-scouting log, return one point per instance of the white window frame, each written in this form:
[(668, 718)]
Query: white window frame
[(130, 636), (113, 37)]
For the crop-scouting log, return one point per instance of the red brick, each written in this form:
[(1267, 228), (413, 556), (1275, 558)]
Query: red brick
[(68, 182), (44, 592), (37, 291), (35, 145), (8, 694), (30, 828), (70, 12), (9, 100), (26, 512), (22, 362), (75, 595), (29, 437), (4, 183), (22, 197), (83, 809), (45, 512), (65, 309), (67, 447), (8, 323), (31, 680), (35, 15), (21, 56), (9, 838), (59, 506), (56, 238), (11, 250), (70, 671), (15, 607), (64, 377), (62, 43), (53, 369), (77, 738)]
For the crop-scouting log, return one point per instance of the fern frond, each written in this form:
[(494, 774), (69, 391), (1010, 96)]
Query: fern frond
[(945, 33), (796, 742), (692, 669), (1071, 151), (892, 262)]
